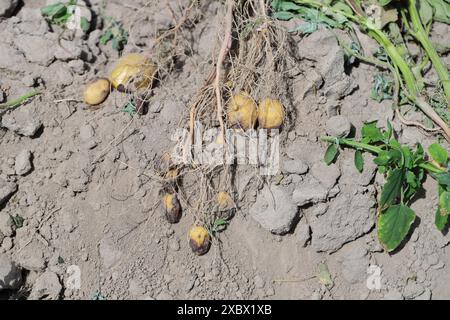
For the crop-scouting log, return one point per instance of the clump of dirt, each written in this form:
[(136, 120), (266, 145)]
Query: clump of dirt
[(80, 190)]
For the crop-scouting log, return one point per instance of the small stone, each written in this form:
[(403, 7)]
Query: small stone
[(77, 66), (421, 276), (259, 282), (6, 190), (86, 132), (46, 287), (22, 121), (316, 296), (303, 233), (23, 164), (7, 7), (295, 166), (274, 209), (135, 288), (338, 126), (67, 50), (355, 264), (10, 274), (7, 244), (413, 290), (174, 244), (308, 192), (424, 296), (109, 253), (327, 175), (36, 49), (29, 81)]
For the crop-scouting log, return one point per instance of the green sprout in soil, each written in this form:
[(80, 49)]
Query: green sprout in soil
[(61, 13), (21, 100), (389, 23), (220, 225), (115, 33), (405, 169), (130, 108)]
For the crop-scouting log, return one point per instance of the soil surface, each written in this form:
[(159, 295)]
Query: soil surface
[(80, 178)]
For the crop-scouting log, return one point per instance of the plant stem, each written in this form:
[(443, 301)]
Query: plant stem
[(421, 35), (430, 167), (19, 101)]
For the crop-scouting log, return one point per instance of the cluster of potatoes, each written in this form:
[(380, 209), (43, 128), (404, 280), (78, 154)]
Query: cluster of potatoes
[(199, 237), (244, 113), (134, 72)]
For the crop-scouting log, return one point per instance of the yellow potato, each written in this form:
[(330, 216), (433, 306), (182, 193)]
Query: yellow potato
[(270, 114), (242, 111), (172, 207), (133, 72), (199, 240), (224, 201), (97, 91)]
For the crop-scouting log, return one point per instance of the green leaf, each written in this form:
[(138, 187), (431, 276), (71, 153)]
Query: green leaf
[(425, 12), (383, 158), (359, 160), (285, 6), (440, 221), (106, 37), (17, 221), (384, 2), (391, 189), (371, 133), (407, 157), (342, 6), (324, 276), (388, 133), (306, 28), (220, 225), (53, 9), (444, 180), (444, 203), (283, 15), (393, 226), (441, 10), (84, 24), (331, 154), (438, 153)]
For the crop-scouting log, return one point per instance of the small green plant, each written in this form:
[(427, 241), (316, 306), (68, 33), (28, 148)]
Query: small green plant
[(115, 33), (61, 13), (130, 108), (391, 24), (17, 221), (220, 225), (21, 100), (405, 170), (382, 88)]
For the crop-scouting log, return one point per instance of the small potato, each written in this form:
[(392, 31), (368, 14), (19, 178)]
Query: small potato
[(199, 240), (97, 91), (242, 112), (270, 114), (224, 200), (172, 207), (133, 72)]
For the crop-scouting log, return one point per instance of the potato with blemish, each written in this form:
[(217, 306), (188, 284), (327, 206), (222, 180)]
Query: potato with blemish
[(172, 207), (133, 72), (199, 240)]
